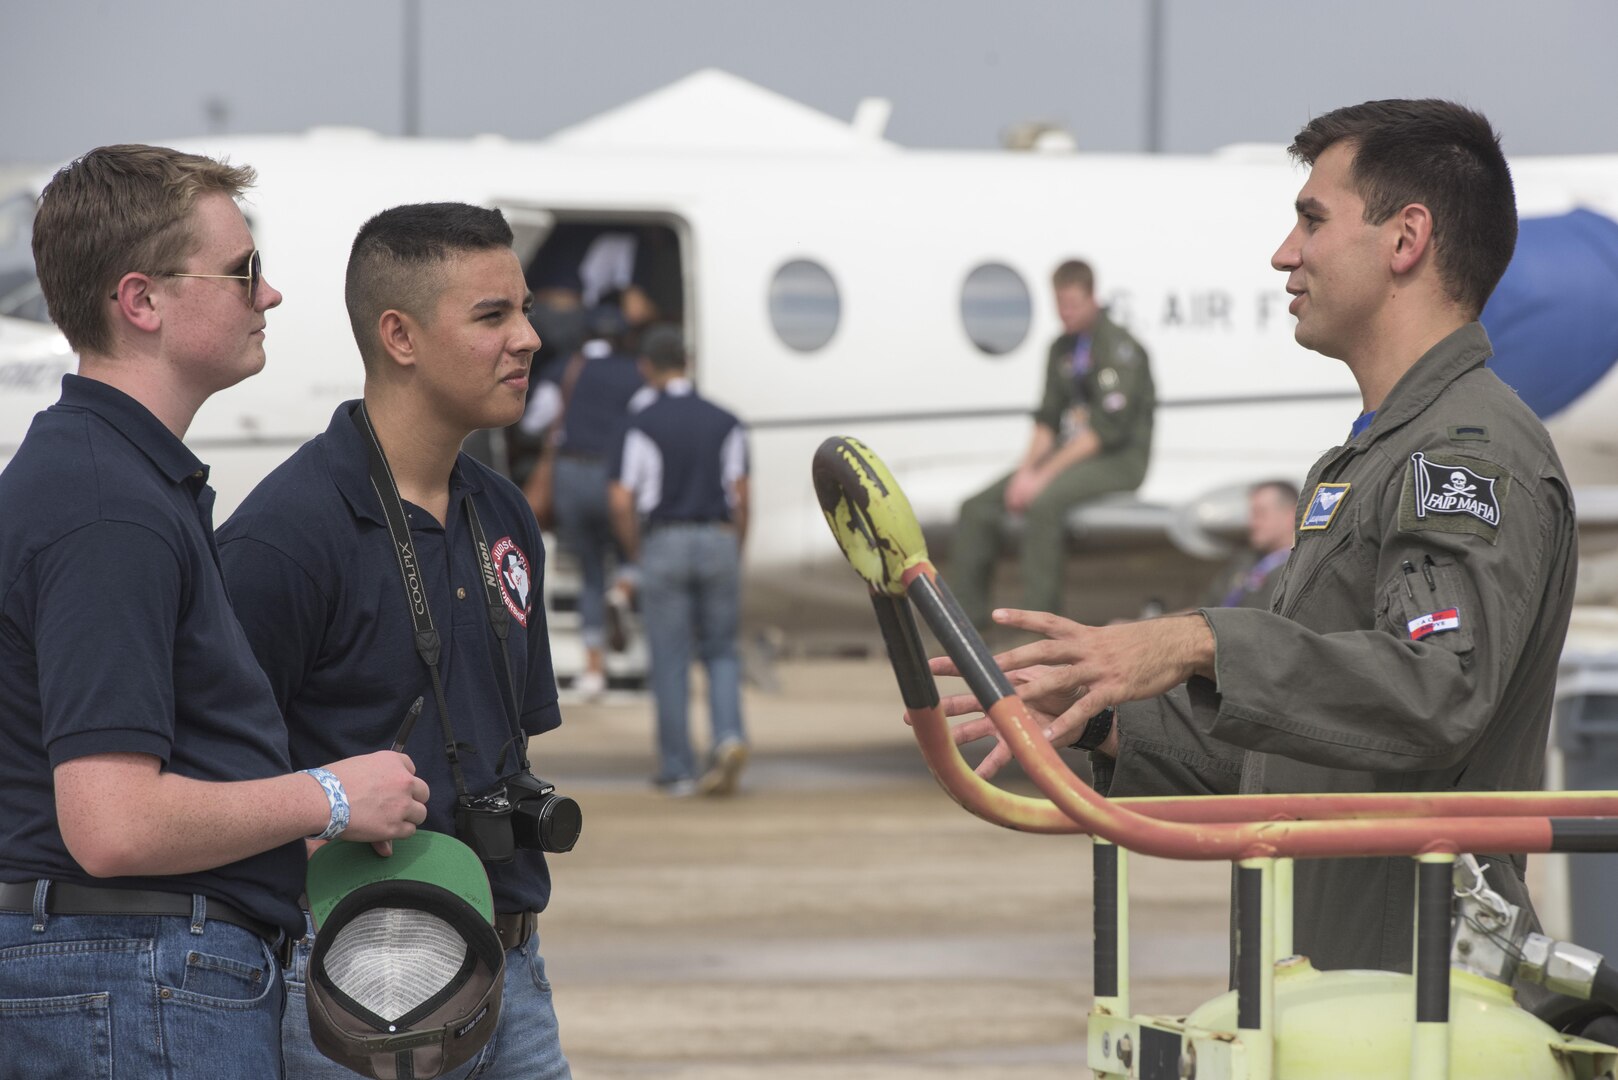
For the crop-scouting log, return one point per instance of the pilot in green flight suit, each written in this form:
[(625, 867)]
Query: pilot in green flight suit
[(1092, 435), (1413, 641)]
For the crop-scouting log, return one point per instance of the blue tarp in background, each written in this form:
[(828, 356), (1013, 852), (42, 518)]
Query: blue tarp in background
[(1553, 318)]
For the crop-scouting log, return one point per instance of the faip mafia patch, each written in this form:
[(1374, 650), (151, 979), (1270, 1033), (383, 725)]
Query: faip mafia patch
[(1456, 495)]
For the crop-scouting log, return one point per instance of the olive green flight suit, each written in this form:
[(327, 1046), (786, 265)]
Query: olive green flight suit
[(1412, 644), (1118, 395)]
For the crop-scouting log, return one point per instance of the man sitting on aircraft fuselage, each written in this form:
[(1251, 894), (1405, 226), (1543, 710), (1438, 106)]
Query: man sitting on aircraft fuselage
[(1092, 435)]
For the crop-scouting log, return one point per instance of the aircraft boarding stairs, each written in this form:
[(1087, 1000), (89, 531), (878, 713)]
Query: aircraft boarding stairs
[(626, 669)]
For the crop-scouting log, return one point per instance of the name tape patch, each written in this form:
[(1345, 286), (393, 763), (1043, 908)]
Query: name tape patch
[(1323, 506), (1434, 622)]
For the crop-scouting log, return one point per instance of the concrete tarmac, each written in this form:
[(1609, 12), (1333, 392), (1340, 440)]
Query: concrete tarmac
[(840, 916)]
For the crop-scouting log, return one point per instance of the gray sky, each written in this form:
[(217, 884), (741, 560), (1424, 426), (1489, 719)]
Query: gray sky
[(78, 73)]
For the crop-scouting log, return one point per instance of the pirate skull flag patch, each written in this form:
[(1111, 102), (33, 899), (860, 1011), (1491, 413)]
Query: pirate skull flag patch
[(1453, 494)]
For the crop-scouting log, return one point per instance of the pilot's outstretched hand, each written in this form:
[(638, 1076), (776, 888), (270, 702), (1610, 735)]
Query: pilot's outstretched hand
[(1043, 691), (1079, 670), (386, 799)]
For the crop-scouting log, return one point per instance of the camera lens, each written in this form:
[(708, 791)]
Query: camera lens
[(559, 823), (541, 818)]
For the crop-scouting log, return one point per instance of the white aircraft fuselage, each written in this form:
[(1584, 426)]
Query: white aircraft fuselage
[(1181, 247)]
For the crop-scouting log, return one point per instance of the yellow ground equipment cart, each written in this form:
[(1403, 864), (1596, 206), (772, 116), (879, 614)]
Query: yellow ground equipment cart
[(1455, 1016)]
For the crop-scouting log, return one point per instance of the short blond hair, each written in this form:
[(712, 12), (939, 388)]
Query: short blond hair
[(118, 209), (1074, 274)]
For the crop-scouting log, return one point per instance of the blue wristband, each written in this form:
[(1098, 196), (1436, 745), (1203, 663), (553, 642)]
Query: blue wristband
[(339, 803)]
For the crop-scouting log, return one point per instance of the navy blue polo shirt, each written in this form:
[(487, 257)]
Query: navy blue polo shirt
[(680, 455), (312, 573), (598, 408), (116, 636)]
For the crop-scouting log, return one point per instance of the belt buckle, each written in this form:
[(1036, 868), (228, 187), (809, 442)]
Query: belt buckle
[(520, 925)]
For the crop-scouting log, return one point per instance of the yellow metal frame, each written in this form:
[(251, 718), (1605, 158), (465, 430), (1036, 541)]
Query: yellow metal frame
[(872, 521)]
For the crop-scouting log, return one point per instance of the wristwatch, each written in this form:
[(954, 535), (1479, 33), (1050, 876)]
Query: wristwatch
[(1096, 731)]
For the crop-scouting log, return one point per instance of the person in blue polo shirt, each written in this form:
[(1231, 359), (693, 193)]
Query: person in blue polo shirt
[(150, 827), (439, 309), (679, 505), (586, 401)]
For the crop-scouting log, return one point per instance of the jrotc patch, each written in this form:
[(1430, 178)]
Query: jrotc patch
[(1456, 495), (1323, 506), (1114, 401), (516, 583), (1107, 377)]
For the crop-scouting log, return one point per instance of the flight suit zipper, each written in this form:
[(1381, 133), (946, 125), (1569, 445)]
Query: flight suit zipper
[(1329, 473)]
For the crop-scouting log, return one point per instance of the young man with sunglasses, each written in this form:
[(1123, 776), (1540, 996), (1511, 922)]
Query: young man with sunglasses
[(439, 308), (151, 829)]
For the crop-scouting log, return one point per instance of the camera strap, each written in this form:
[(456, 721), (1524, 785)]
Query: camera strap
[(500, 622), (429, 646)]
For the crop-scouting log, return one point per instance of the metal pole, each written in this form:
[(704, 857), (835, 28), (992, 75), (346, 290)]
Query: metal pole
[(1283, 908), (412, 67), (1429, 1045), (1255, 965), (1111, 891), (1154, 77)]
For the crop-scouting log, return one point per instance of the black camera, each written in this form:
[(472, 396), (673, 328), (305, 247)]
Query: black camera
[(483, 823), (540, 818), (521, 811)]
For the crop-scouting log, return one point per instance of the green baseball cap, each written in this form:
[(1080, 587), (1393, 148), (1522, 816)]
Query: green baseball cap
[(406, 971), (340, 867)]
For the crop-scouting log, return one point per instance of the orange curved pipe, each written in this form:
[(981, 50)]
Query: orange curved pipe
[(1000, 807), (1240, 840), (1233, 827)]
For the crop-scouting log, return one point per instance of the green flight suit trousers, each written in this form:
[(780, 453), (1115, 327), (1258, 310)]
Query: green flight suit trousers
[(975, 545)]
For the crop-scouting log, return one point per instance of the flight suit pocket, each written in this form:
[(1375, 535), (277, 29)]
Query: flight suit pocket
[(1431, 602)]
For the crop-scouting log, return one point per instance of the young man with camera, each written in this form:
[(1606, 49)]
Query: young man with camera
[(380, 565), (150, 824)]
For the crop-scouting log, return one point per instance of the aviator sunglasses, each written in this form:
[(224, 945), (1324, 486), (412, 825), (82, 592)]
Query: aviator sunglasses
[(254, 275)]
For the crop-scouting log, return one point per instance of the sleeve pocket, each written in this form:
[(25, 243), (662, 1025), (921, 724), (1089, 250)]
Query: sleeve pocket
[(1432, 603)]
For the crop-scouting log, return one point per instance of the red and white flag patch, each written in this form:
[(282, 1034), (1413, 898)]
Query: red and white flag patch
[(1434, 622)]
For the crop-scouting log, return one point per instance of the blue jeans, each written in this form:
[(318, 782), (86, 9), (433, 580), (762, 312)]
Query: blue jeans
[(583, 527), (164, 997), (525, 1045), (691, 596)]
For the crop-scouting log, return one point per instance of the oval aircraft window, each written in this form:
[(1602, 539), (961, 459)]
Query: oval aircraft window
[(996, 308), (804, 306)]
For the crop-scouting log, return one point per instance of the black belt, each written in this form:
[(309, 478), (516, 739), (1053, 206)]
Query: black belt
[(69, 898), (516, 928)]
